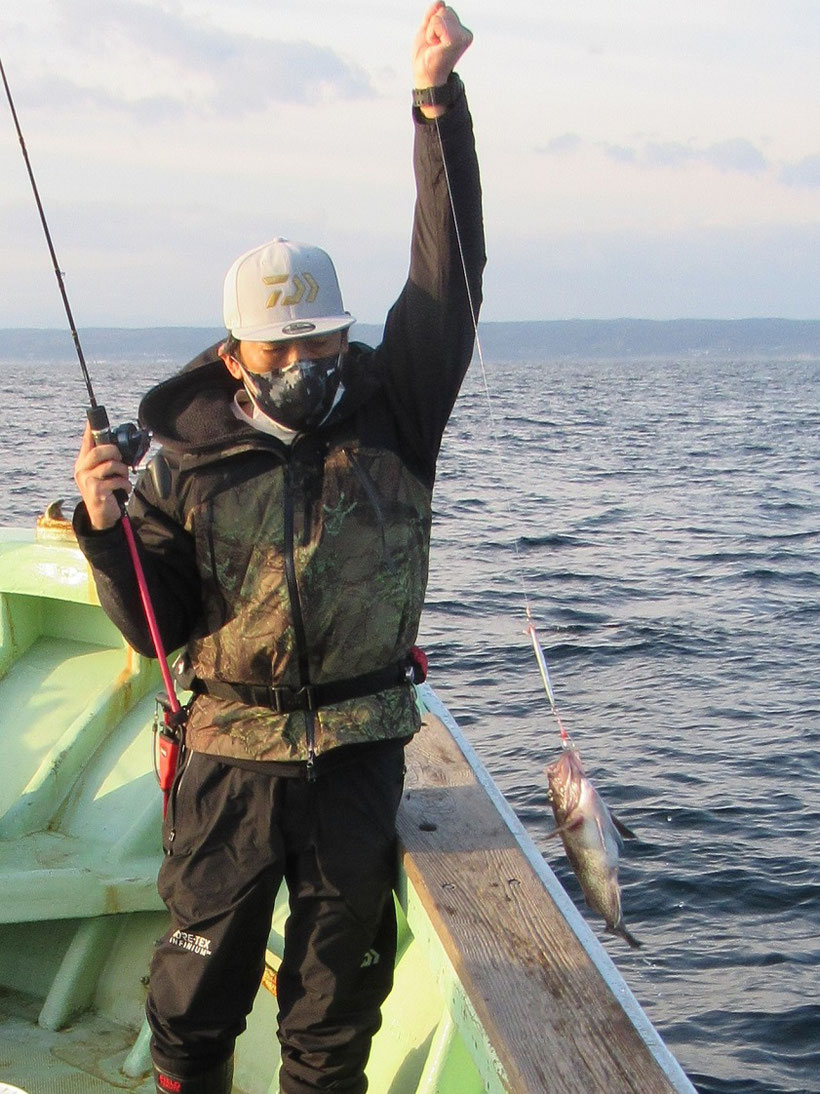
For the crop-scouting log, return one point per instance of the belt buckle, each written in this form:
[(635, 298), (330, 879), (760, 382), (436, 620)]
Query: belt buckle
[(285, 700), (276, 699)]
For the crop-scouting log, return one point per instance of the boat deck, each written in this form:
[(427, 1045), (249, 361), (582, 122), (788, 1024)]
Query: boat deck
[(495, 989), (500, 984)]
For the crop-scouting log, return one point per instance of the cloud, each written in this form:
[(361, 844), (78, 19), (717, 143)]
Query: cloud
[(804, 173), (53, 92), (619, 153), (733, 155), (559, 146), (666, 154), (157, 63)]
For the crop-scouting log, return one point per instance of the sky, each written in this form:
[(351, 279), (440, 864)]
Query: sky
[(643, 158)]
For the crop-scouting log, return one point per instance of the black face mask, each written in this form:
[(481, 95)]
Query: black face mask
[(299, 396)]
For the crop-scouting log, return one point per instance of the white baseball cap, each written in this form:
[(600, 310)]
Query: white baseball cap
[(283, 290)]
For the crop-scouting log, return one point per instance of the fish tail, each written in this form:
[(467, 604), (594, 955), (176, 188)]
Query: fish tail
[(628, 936)]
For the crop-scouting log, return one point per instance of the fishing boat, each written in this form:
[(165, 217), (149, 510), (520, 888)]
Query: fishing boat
[(500, 984)]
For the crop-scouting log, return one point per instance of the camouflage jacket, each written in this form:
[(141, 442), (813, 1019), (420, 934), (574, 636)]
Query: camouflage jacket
[(307, 564)]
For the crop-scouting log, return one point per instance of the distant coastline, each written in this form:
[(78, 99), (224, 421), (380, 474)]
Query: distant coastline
[(606, 339)]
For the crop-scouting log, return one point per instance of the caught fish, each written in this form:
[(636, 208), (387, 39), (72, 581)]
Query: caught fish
[(591, 836)]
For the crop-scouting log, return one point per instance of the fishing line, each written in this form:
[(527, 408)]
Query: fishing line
[(530, 628)]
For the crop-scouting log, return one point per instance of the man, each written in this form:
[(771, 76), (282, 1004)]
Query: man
[(286, 547)]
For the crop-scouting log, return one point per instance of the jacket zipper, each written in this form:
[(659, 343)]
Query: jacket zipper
[(298, 619), (369, 488)]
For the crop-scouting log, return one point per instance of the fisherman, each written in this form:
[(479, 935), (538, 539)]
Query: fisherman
[(285, 543)]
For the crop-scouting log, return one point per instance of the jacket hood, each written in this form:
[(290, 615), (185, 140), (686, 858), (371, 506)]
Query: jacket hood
[(192, 411)]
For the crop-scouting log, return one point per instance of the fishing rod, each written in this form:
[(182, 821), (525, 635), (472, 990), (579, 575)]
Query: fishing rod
[(530, 630), (132, 443)]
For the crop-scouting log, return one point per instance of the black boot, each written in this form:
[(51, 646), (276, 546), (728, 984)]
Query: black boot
[(219, 1080)]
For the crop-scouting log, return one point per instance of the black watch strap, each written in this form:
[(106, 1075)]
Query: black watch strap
[(445, 95)]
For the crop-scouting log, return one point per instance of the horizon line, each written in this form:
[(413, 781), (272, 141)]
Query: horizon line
[(481, 322)]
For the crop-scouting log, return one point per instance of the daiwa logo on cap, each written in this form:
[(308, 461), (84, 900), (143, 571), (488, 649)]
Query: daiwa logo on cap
[(297, 284), (283, 290)]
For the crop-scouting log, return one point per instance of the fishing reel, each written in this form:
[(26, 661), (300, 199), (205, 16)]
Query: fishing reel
[(130, 439)]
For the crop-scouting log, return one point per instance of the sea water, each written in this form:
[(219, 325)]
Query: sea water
[(660, 519)]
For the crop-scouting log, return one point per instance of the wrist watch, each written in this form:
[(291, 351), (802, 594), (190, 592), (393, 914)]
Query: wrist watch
[(445, 95)]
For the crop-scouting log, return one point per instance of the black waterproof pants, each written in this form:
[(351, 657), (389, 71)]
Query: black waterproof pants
[(231, 836)]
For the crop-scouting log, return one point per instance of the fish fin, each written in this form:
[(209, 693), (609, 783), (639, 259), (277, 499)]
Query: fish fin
[(627, 833), (560, 829)]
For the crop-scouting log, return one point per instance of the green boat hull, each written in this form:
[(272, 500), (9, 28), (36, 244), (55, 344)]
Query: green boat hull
[(80, 815)]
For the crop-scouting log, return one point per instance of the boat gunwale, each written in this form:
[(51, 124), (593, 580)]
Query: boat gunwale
[(594, 949)]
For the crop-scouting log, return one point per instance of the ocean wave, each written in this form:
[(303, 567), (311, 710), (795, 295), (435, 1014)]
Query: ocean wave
[(660, 525)]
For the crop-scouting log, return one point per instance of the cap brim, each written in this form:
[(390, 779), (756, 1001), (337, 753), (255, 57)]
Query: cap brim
[(293, 329)]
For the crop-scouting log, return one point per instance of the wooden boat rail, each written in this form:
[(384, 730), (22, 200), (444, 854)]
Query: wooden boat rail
[(536, 982)]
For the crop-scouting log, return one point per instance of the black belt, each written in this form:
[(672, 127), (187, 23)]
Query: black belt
[(285, 700)]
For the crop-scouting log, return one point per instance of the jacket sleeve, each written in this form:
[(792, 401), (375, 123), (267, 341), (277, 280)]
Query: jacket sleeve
[(167, 554), (430, 331)]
